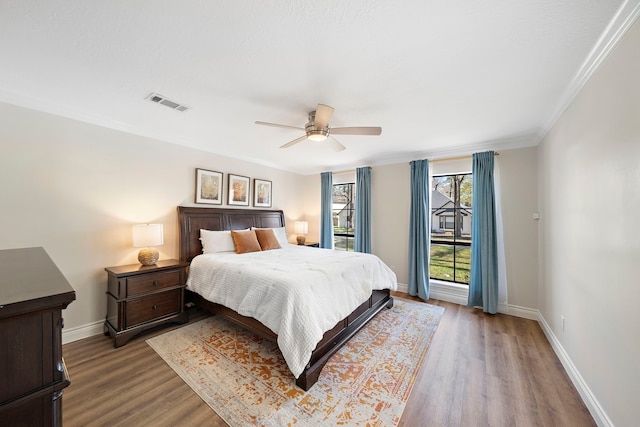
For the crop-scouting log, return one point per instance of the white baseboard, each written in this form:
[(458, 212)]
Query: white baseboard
[(459, 294), (594, 407), (80, 332), (447, 292), (518, 311)]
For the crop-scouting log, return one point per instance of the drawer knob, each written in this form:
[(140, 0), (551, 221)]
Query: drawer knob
[(155, 306), (156, 282)]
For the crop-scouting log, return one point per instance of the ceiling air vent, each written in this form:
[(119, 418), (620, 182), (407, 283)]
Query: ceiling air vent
[(160, 99)]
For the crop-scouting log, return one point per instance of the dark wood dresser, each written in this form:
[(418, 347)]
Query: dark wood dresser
[(141, 297), (33, 293)]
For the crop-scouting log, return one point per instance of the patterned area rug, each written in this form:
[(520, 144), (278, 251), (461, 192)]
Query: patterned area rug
[(246, 381)]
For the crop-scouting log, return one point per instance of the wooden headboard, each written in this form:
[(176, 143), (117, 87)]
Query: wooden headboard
[(192, 219)]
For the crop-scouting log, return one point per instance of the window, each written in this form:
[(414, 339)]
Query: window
[(451, 211), (446, 222), (343, 210)]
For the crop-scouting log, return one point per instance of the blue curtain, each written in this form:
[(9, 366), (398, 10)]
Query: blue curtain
[(326, 221), (483, 288), (419, 230), (363, 211)]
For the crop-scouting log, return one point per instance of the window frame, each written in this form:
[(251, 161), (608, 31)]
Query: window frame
[(348, 237), (442, 240)]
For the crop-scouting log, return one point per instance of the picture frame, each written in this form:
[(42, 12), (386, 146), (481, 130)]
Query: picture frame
[(209, 187), (261, 193), (238, 190)]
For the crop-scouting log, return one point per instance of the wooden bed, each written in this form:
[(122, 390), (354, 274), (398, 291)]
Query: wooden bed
[(192, 219)]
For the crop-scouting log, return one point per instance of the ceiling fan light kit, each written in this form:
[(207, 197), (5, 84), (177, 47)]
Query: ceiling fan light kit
[(317, 135), (318, 129)]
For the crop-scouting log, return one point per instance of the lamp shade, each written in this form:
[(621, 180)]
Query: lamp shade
[(301, 227), (145, 235)]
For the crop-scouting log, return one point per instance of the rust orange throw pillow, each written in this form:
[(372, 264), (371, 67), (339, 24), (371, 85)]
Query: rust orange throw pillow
[(267, 239), (245, 241)]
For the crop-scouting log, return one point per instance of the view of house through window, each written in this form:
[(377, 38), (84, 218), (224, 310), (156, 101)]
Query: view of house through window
[(451, 210), (343, 210)]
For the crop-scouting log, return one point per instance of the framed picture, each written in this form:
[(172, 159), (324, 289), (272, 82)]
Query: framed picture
[(209, 187), (261, 193), (238, 190)]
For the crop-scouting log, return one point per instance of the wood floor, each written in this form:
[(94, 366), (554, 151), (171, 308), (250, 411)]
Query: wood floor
[(481, 370)]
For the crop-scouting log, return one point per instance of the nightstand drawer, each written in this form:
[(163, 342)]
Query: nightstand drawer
[(152, 307), (143, 284)]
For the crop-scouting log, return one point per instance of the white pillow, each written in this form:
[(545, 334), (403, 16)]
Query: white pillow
[(280, 232), (216, 241)]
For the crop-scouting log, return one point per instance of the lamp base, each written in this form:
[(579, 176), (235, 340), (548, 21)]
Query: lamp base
[(301, 238), (148, 256)]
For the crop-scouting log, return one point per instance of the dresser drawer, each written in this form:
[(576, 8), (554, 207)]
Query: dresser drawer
[(140, 285), (152, 307)]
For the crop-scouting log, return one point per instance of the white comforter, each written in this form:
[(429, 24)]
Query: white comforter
[(298, 292)]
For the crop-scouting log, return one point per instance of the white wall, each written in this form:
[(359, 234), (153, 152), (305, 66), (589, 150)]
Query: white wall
[(75, 189), (589, 169), (390, 205), (518, 193), (310, 197)]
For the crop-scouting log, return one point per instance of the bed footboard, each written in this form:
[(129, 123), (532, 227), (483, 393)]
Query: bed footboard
[(334, 339), (330, 343)]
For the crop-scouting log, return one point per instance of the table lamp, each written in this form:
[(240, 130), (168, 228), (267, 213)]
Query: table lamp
[(145, 236), (301, 229)]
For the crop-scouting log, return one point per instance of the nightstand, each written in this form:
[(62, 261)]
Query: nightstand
[(141, 297), (312, 244)]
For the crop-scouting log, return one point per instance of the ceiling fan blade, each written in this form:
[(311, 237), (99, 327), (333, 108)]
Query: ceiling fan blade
[(370, 130), (276, 125), (323, 115), (294, 142), (335, 144)]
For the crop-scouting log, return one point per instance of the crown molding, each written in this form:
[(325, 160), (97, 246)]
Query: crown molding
[(611, 36), (516, 142)]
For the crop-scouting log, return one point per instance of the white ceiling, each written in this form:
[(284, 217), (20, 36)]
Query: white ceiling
[(440, 77)]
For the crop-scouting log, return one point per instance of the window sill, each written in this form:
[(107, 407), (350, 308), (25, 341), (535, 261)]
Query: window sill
[(447, 291)]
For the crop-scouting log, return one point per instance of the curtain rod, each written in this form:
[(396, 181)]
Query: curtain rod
[(495, 153)]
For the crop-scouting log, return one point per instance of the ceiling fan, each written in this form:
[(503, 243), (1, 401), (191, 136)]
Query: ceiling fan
[(318, 128)]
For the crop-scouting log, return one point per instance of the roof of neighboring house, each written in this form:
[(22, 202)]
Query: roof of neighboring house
[(451, 212), (440, 201)]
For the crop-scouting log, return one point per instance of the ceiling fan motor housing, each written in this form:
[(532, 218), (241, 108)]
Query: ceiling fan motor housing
[(313, 133)]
